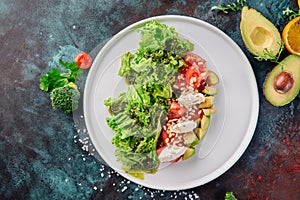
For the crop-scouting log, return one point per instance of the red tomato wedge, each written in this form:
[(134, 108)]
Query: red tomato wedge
[(192, 76), (167, 138), (196, 72), (193, 59), (159, 150), (176, 110), (84, 60)]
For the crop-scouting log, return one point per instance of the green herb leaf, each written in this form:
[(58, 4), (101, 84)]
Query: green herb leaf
[(51, 80), (229, 196), (73, 69), (64, 93), (290, 13), (268, 55), (230, 7)]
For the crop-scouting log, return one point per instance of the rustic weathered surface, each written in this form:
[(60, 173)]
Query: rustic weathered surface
[(41, 153)]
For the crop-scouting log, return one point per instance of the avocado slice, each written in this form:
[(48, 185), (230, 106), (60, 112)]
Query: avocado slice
[(200, 132), (205, 121), (209, 111), (207, 103), (282, 83), (190, 139), (259, 33), (189, 152)]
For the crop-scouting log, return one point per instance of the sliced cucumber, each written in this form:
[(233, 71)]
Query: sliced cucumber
[(213, 78), (210, 90)]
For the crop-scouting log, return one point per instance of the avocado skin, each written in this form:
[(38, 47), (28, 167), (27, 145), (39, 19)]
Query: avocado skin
[(252, 23), (290, 64), (190, 151)]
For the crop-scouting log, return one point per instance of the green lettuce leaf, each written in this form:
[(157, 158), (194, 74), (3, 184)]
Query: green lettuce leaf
[(156, 35)]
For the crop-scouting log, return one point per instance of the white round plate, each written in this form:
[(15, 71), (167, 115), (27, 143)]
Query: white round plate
[(231, 128)]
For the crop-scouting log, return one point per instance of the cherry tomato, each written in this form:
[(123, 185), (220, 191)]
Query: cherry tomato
[(176, 110), (84, 60)]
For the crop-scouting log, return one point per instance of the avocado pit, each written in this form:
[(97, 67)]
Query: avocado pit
[(283, 82)]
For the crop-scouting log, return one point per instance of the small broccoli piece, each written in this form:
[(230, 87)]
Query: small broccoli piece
[(65, 97)]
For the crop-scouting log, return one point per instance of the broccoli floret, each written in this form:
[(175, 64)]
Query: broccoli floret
[(65, 97)]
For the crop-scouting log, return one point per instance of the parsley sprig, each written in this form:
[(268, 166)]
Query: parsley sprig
[(54, 78), (290, 13), (229, 196), (269, 55), (230, 7)]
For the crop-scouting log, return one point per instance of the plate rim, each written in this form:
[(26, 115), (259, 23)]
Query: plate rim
[(239, 151)]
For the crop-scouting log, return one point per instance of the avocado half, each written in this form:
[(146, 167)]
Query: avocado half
[(290, 65), (258, 32)]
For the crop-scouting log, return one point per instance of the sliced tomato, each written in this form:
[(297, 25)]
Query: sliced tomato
[(192, 76), (180, 83), (84, 60), (159, 150), (176, 110), (194, 59), (166, 137)]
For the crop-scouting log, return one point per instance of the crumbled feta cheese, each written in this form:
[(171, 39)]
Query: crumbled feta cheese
[(190, 98), (171, 152), (183, 127)]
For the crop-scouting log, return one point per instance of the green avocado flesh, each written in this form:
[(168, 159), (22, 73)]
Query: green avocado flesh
[(291, 65), (259, 33)]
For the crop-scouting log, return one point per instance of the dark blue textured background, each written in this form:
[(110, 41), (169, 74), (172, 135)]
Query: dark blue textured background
[(41, 151)]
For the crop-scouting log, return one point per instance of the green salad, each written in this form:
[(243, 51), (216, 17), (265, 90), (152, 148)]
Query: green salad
[(166, 109)]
